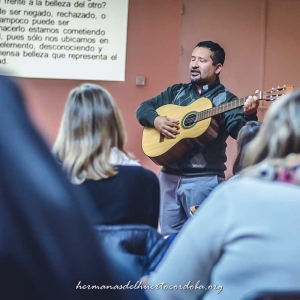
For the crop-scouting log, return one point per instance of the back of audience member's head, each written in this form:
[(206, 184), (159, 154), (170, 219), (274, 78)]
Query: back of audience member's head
[(90, 128), (280, 132), (246, 135)]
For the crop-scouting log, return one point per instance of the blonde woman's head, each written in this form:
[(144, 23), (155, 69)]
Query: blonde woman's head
[(90, 128), (280, 132)]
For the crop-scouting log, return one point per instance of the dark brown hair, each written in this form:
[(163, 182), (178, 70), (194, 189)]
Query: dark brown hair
[(246, 135)]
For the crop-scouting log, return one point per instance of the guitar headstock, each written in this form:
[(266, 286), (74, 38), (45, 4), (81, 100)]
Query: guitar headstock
[(275, 93)]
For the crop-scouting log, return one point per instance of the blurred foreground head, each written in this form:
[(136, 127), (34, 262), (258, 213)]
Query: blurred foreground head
[(47, 244), (280, 132)]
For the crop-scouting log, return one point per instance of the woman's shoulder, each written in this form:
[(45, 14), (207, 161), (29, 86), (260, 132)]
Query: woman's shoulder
[(118, 157), (136, 169), (140, 175)]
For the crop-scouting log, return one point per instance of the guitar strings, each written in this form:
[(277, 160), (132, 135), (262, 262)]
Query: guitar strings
[(201, 115), (205, 114)]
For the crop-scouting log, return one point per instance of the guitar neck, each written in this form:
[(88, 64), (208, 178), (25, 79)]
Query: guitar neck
[(224, 107)]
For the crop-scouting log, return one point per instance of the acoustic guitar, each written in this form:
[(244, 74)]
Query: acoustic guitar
[(196, 125)]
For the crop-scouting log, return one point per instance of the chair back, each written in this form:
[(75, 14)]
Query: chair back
[(141, 246)]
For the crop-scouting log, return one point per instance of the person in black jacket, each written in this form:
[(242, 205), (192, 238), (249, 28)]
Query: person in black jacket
[(48, 249), (90, 145), (247, 133), (187, 181)]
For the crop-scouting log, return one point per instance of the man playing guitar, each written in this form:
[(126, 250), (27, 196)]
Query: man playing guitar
[(188, 180)]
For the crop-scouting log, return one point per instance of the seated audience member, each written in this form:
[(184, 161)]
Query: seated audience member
[(90, 145), (245, 238), (245, 135), (48, 249)]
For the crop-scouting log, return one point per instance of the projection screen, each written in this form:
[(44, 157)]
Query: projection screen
[(64, 39)]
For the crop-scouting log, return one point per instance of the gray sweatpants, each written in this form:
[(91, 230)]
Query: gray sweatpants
[(178, 194)]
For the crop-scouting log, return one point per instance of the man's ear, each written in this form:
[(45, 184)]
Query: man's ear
[(218, 68)]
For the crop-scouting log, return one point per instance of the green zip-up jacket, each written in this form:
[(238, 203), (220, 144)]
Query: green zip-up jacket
[(203, 160)]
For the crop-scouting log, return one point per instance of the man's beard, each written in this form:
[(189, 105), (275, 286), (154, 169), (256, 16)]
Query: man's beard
[(199, 81)]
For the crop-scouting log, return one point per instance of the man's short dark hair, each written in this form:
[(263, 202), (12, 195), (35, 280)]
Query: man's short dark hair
[(218, 53)]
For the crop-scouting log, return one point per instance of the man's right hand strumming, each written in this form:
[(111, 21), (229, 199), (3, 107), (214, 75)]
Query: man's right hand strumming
[(167, 127)]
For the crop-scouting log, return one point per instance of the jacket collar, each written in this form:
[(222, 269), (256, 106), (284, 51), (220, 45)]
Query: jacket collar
[(208, 87)]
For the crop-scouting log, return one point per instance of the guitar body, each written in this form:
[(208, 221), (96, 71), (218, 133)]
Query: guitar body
[(196, 125), (163, 150)]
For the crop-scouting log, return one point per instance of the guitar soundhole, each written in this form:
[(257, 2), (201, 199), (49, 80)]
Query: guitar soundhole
[(189, 120)]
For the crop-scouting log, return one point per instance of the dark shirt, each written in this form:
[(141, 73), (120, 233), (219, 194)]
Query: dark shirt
[(203, 159), (130, 197)]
